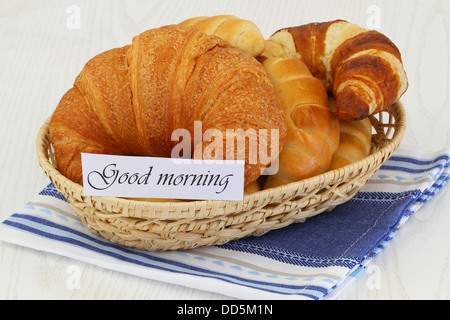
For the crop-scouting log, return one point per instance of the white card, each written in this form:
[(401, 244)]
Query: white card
[(167, 178)]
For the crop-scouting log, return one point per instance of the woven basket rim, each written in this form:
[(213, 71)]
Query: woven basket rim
[(214, 207)]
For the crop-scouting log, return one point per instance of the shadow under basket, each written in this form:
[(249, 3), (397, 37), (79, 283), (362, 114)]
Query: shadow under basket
[(157, 226)]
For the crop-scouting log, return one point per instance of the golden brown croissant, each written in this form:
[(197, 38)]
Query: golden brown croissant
[(312, 128), (239, 32), (362, 68), (354, 143), (128, 101)]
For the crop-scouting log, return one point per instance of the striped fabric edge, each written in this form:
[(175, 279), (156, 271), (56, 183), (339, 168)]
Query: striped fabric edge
[(421, 200), (57, 232), (320, 262)]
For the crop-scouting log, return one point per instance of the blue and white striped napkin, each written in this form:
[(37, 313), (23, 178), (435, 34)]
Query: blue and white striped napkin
[(311, 260)]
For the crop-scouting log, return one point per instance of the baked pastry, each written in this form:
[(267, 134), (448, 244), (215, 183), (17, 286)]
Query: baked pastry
[(355, 141), (129, 100), (312, 128), (253, 187), (362, 68), (239, 32)]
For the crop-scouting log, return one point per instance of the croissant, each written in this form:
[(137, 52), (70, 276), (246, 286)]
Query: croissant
[(312, 128), (363, 69), (129, 100), (239, 32), (354, 143)]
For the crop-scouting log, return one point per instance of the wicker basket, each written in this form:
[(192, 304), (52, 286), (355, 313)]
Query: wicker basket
[(159, 226)]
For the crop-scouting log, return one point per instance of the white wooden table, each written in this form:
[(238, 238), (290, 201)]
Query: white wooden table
[(44, 45)]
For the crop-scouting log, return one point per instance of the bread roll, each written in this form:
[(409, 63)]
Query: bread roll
[(354, 143), (239, 32), (312, 128)]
